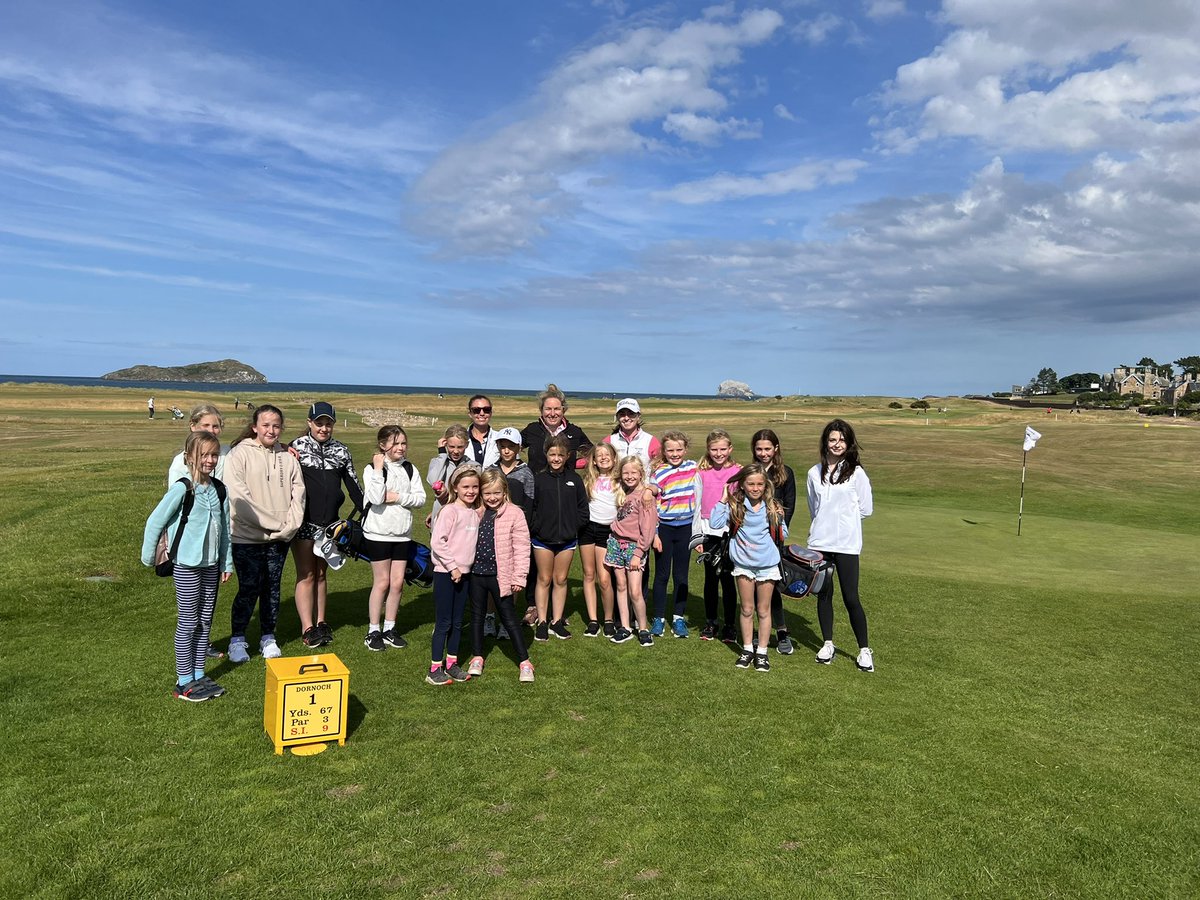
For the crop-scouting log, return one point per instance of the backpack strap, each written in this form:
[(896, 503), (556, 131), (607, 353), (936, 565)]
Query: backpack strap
[(189, 498)]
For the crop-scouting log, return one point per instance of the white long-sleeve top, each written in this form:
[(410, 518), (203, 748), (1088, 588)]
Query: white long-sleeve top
[(837, 511), (391, 521)]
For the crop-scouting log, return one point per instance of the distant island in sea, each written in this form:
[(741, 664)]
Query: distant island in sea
[(221, 371)]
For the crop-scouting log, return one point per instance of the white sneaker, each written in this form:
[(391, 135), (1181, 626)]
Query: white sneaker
[(526, 672), (866, 660), (502, 633), (489, 625), (270, 649), (826, 653), (238, 652), (475, 667)]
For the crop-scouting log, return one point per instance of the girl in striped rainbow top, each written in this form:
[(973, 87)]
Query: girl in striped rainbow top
[(677, 480)]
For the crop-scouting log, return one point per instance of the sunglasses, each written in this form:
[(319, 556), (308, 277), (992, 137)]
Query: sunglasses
[(475, 410)]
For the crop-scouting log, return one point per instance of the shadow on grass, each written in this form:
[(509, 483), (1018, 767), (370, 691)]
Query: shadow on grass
[(356, 712)]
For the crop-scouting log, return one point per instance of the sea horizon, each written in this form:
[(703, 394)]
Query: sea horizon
[(251, 391)]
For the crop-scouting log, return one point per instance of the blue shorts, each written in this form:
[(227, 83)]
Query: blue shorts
[(555, 547)]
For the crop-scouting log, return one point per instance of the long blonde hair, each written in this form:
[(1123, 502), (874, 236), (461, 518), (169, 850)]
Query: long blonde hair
[(591, 472), (737, 499), (619, 490), (717, 434), (492, 477), (197, 441)]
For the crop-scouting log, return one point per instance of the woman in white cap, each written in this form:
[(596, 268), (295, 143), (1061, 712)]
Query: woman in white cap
[(628, 436)]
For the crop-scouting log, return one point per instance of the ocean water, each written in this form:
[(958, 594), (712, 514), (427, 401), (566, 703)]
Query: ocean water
[(264, 392)]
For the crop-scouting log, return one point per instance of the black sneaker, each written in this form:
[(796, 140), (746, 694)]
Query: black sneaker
[(312, 637), (193, 692), (456, 673), (610, 629), (621, 635), (592, 630), (213, 688), (645, 638), (326, 633), (392, 638), (744, 659), (374, 641), (785, 644), (541, 631), (709, 631), (727, 635), (559, 629), (761, 663)]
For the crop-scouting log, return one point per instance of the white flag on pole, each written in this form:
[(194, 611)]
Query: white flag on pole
[(1031, 438)]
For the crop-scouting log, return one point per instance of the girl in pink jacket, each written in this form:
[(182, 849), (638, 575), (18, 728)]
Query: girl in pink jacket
[(452, 547), (500, 569)]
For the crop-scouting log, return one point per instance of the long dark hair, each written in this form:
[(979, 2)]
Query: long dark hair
[(777, 471), (849, 462), (248, 431)]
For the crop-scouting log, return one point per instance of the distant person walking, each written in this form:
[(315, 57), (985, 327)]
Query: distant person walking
[(839, 498), (150, 406)]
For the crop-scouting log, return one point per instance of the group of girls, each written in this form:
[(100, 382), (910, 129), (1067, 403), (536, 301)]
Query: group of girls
[(499, 526)]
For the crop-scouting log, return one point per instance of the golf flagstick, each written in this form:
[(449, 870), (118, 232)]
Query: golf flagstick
[(1031, 439)]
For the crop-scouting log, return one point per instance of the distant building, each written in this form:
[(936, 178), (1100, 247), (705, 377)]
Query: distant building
[(1146, 381)]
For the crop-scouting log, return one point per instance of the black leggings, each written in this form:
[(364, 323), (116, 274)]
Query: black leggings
[(719, 582), (672, 559), (482, 587), (846, 565)]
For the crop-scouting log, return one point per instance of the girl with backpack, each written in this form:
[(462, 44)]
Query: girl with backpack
[(756, 530), (195, 514), (393, 491)]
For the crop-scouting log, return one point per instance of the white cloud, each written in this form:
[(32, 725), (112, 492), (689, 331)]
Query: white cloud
[(495, 194), (1070, 75), (804, 177), (784, 113), (880, 10), (817, 30), (688, 126), (161, 87)]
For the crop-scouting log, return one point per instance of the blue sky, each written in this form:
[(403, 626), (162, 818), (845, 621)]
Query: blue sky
[(879, 197)]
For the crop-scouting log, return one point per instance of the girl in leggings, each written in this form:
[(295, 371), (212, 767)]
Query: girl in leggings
[(500, 569), (452, 546), (266, 498), (203, 560), (839, 498)]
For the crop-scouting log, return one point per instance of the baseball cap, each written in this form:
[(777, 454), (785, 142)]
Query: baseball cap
[(630, 404), (320, 410), (509, 434)]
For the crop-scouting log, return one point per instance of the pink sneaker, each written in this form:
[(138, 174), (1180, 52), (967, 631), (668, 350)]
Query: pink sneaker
[(475, 666), (527, 671)]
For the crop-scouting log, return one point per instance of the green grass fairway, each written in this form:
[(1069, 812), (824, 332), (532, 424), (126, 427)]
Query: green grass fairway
[(1030, 730)]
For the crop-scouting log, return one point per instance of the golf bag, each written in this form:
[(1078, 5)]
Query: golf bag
[(804, 571), (348, 537)]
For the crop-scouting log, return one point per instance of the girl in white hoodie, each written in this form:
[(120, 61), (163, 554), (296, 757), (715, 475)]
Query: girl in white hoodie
[(392, 490)]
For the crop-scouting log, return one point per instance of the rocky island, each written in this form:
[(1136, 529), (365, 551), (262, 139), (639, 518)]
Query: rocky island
[(738, 389), (221, 371)]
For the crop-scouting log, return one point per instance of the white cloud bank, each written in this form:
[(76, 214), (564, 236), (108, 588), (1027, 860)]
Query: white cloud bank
[(494, 195)]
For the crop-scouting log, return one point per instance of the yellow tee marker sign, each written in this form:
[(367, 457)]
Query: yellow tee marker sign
[(305, 700)]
